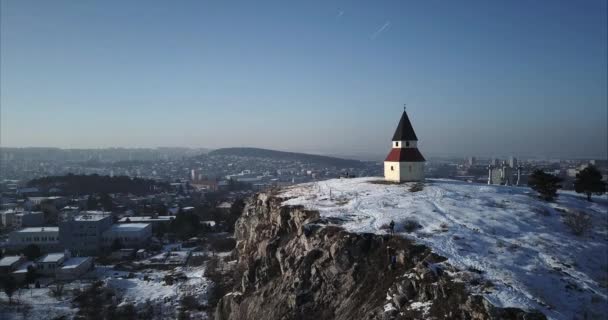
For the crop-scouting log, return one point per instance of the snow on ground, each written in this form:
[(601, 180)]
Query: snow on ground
[(34, 304), (150, 286), (516, 241)]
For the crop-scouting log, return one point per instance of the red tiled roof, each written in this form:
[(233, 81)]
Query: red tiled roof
[(405, 155)]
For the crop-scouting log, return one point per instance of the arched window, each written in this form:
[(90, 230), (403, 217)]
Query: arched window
[(407, 143), (392, 169), (396, 144)]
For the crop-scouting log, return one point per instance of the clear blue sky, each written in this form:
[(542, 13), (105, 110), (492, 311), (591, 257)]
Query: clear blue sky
[(479, 77)]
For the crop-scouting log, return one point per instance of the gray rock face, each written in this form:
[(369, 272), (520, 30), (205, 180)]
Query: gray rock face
[(294, 265)]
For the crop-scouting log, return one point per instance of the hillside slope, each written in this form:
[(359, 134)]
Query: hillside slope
[(518, 247), (294, 264), (287, 156)]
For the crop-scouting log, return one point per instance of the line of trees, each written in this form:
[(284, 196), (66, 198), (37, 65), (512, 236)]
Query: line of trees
[(94, 183), (588, 181)]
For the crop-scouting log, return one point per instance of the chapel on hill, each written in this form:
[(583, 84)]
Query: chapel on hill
[(404, 162)]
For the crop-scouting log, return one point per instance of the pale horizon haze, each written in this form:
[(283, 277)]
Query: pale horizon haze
[(480, 78)]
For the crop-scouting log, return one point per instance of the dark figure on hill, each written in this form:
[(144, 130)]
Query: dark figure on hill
[(392, 227)]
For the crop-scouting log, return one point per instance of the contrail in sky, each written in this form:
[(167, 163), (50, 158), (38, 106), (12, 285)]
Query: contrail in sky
[(381, 29)]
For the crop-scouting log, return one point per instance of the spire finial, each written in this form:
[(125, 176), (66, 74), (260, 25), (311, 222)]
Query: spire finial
[(404, 107)]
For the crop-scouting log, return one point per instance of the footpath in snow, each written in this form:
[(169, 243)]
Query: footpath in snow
[(515, 240)]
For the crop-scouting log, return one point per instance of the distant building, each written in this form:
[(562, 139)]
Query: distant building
[(572, 172), (29, 219), (224, 206), (28, 191), (9, 264), (20, 272), (504, 174), (68, 213), (46, 238), (153, 220), (73, 268), (83, 234), (130, 235), (21, 219), (55, 201), (512, 162), (50, 263), (205, 185), (404, 162), (8, 217), (471, 161)]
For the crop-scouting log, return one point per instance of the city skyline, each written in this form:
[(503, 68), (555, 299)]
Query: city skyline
[(523, 79)]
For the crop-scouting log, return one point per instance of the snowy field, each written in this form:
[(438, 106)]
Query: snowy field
[(150, 288), (516, 241), (144, 288), (34, 304)]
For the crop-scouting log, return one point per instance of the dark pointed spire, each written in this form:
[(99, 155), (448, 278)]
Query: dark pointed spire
[(404, 131)]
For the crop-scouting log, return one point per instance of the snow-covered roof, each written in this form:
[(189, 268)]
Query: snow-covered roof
[(74, 262), (224, 205), (9, 261), (92, 216), (23, 267), (38, 229), (129, 227), (146, 219), (51, 257), (516, 241)]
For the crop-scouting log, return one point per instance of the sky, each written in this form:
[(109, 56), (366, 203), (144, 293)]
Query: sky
[(484, 78)]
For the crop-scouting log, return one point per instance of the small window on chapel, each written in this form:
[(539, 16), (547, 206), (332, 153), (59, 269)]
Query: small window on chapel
[(407, 143), (392, 169), (396, 144)]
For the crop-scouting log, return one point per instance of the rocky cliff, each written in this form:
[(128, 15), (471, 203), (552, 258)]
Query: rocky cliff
[(294, 264)]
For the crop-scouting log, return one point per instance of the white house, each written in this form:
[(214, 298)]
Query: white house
[(404, 162), (50, 263), (131, 235), (46, 238), (73, 268), (10, 263)]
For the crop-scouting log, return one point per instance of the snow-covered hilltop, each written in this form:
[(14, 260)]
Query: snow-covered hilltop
[(517, 242)]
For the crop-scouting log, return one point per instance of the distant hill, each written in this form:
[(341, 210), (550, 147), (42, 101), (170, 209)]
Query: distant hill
[(288, 156)]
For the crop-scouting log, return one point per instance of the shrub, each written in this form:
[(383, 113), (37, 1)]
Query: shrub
[(545, 184), (9, 285), (418, 186), (221, 244), (578, 222), (57, 289), (589, 181), (189, 302), (411, 225)]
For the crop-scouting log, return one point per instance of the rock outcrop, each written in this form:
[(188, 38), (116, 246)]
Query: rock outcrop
[(293, 264)]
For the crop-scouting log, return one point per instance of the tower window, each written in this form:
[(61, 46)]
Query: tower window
[(392, 169), (396, 144), (407, 143)]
